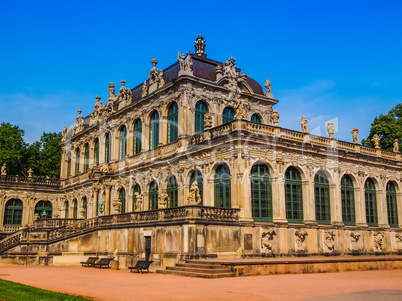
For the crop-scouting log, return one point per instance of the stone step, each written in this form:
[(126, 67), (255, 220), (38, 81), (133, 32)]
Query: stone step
[(198, 270), (197, 261), (202, 266), (195, 274)]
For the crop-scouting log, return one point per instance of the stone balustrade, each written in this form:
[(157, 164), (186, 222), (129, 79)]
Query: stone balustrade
[(9, 179), (10, 228), (54, 222)]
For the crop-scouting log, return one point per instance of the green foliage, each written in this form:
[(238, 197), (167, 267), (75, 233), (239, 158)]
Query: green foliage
[(43, 157), (388, 127), (12, 291)]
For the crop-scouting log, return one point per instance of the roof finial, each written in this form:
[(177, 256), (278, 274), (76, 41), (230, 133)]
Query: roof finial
[(200, 46)]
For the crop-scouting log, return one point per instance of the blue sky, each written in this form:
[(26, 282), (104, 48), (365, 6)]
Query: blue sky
[(328, 60)]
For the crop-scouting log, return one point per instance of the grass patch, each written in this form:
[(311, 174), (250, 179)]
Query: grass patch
[(11, 291)]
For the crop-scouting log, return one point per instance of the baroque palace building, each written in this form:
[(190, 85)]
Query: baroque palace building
[(193, 163)]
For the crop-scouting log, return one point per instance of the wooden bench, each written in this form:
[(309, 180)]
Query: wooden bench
[(141, 265), (90, 262), (103, 263)]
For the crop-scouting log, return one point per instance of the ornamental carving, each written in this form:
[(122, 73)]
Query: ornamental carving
[(378, 242), (329, 241), (125, 95), (267, 241), (185, 62), (376, 141), (194, 198), (162, 198), (300, 239), (331, 130), (156, 75)]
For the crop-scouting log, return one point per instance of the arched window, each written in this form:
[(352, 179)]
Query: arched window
[(222, 187), (228, 115), (261, 192), (137, 136), (68, 164), (13, 212), (77, 161), (256, 118), (371, 203), (348, 201), (153, 196), (322, 201), (392, 208), (44, 209), (172, 123), (200, 110), (85, 206), (154, 130), (86, 157), (137, 189), (172, 192), (108, 147), (197, 176), (66, 209), (96, 152), (293, 195), (122, 142), (122, 199), (75, 209)]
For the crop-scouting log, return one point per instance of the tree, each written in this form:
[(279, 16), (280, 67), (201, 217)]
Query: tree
[(12, 149), (50, 155), (388, 127)]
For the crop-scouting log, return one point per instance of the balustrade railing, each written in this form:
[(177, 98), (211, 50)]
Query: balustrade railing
[(28, 180), (54, 222), (10, 228)]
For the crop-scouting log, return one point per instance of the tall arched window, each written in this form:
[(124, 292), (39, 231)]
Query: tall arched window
[(200, 110), (256, 118), (293, 195), (172, 192), (66, 209), (154, 130), (122, 199), (197, 176), (137, 189), (322, 201), (222, 187), (371, 203), (261, 192), (172, 123), (77, 161), (96, 152), (86, 157), (348, 201), (85, 206), (44, 209), (392, 207), (68, 164), (137, 136), (228, 115), (153, 196), (122, 142), (108, 147), (75, 209), (13, 212)]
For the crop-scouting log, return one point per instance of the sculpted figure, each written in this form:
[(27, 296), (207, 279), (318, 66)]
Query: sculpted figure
[(329, 240), (233, 89), (200, 45), (300, 238), (304, 127), (355, 131), (144, 89), (376, 140), (378, 241), (267, 237), (331, 130), (162, 199), (229, 68), (267, 86), (194, 198), (207, 121), (185, 61), (4, 170), (240, 112), (275, 117), (138, 201), (65, 131), (112, 94), (396, 146)]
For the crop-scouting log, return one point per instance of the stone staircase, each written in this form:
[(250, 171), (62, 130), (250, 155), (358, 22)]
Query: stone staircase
[(198, 268)]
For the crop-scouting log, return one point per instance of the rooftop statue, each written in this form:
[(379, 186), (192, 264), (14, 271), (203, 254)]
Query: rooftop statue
[(304, 127), (200, 46), (229, 68), (185, 61), (396, 146), (331, 130), (355, 131), (376, 140)]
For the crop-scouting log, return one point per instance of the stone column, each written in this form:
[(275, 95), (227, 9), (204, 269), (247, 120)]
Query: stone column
[(360, 205), (101, 148), (398, 202), (162, 130), (382, 211), (278, 199), (308, 202), (209, 193), (2, 208), (335, 203), (145, 137), (63, 167)]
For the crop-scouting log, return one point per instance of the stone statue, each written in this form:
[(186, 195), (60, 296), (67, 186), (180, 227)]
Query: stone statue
[(229, 68), (267, 86), (207, 121), (125, 95), (185, 61), (240, 112), (233, 89), (162, 200), (30, 171), (79, 120), (112, 94), (329, 240), (200, 45), (355, 131), (161, 81), (117, 206), (155, 75), (138, 201), (376, 140), (396, 146), (194, 198), (144, 89), (331, 130), (275, 117), (65, 131), (83, 212), (4, 170), (98, 107), (304, 127), (378, 241)]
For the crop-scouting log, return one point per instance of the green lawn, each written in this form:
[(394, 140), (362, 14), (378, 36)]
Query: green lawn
[(11, 291)]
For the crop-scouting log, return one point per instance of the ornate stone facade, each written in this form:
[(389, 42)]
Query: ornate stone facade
[(199, 142)]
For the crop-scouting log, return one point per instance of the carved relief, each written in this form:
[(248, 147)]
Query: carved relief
[(300, 240), (194, 198), (378, 242), (267, 242), (329, 241)]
